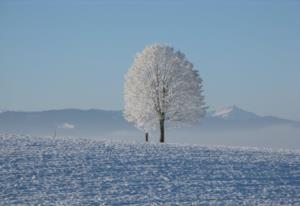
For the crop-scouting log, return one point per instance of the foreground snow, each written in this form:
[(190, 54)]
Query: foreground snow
[(66, 171)]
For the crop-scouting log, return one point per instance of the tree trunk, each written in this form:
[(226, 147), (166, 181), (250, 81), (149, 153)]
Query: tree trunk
[(162, 130), (146, 136)]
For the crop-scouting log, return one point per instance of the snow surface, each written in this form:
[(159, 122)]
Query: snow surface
[(65, 171)]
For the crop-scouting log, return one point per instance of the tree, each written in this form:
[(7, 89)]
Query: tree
[(162, 87)]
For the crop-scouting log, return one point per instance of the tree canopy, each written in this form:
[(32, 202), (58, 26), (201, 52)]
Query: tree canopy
[(160, 86)]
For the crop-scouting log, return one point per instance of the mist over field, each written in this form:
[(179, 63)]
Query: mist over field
[(231, 126), (270, 137)]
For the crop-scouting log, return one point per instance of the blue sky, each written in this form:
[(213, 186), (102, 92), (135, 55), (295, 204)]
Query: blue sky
[(74, 54)]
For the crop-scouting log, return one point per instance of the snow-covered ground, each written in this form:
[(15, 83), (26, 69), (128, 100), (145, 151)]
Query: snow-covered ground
[(65, 171)]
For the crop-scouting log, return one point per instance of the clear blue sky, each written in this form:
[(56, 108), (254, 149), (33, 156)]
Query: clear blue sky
[(71, 54)]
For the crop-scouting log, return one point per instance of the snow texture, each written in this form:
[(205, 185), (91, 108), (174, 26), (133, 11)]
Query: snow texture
[(65, 171)]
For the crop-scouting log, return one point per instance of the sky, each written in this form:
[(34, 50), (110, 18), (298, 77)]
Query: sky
[(74, 54)]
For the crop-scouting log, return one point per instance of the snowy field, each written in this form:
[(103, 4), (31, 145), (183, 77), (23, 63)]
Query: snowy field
[(50, 171)]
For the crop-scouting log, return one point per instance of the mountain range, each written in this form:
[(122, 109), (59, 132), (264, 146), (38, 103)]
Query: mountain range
[(100, 123)]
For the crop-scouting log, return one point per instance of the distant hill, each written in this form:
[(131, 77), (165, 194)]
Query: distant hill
[(235, 118), (75, 122), (234, 113)]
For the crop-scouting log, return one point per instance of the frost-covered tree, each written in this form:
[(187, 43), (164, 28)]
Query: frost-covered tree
[(162, 86)]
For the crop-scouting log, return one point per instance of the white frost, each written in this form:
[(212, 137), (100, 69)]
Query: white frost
[(162, 85), (65, 171)]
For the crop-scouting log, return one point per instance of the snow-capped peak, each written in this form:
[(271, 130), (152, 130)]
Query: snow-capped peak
[(234, 112), (224, 112)]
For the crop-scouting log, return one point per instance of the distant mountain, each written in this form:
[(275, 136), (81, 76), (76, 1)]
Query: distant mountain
[(95, 122), (234, 117), (234, 113)]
